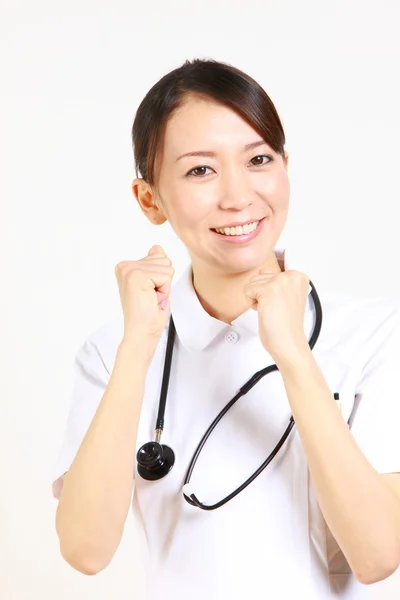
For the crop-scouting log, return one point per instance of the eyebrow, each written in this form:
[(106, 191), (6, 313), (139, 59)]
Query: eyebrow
[(208, 153)]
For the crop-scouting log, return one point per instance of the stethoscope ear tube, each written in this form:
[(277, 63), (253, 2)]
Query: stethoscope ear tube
[(192, 498), (194, 501), (165, 379), (156, 460)]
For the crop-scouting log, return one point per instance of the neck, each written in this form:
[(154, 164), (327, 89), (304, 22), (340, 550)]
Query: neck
[(221, 294)]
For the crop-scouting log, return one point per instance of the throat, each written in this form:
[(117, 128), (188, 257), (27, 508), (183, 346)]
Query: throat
[(221, 294), (223, 300), (223, 311)]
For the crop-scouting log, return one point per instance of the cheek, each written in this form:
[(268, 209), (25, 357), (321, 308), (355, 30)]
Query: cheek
[(189, 205), (277, 190)]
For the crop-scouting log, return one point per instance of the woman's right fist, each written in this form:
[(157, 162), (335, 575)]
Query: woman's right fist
[(144, 288)]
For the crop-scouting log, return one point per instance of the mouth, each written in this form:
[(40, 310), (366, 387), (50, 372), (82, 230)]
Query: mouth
[(239, 233), (243, 228)]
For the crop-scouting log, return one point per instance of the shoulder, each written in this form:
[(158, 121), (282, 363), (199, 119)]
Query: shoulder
[(358, 329), (101, 344), (363, 317)]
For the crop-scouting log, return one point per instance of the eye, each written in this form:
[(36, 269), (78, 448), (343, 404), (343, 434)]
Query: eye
[(197, 172), (261, 164), (200, 171)]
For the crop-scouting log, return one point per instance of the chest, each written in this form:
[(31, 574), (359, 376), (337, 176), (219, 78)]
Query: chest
[(201, 384)]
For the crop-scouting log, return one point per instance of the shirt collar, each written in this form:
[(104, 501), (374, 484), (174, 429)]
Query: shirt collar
[(195, 328)]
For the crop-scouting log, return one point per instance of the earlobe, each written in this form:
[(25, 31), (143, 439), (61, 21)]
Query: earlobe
[(147, 201)]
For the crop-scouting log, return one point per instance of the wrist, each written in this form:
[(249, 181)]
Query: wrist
[(141, 350), (296, 357)]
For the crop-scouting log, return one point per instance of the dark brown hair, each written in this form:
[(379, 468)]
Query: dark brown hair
[(217, 81)]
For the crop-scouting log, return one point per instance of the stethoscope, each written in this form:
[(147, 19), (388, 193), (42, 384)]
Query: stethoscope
[(155, 460)]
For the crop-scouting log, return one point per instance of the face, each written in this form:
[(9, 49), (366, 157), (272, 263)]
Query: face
[(233, 184)]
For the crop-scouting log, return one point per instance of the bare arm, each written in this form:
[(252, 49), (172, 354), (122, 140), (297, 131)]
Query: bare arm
[(360, 508), (97, 489)]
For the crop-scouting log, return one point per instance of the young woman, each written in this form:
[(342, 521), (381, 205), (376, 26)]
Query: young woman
[(322, 518)]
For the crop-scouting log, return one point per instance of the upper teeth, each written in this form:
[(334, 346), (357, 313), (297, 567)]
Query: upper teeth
[(240, 230)]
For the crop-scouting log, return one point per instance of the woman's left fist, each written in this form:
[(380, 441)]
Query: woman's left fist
[(280, 299)]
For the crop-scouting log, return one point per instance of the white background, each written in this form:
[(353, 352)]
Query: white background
[(72, 75)]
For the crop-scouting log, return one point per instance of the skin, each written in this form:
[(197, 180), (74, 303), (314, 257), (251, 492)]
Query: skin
[(234, 186), (231, 278), (360, 506)]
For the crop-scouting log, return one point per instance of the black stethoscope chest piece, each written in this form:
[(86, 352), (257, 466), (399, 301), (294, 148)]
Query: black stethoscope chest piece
[(154, 460)]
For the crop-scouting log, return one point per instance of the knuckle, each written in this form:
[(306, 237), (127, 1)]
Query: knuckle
[(123, 263), (118, 270), (167, 261), (135, 272)]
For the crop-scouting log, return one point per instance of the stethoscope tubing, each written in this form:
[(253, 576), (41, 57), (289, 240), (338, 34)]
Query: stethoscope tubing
[(192, 498), (155, 461)]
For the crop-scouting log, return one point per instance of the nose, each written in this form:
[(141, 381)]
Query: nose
[(235, 190)]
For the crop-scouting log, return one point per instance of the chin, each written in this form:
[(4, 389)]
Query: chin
[(244, 266)]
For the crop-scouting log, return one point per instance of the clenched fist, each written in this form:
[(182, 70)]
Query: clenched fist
[(144, 288)]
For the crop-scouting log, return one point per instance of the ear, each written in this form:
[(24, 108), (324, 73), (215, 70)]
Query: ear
[(147, 200), (286, 160)]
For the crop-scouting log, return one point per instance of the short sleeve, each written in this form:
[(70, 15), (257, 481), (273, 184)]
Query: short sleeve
[(376, 420), (91, 379)]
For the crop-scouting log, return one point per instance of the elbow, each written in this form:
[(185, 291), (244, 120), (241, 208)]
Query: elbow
[(81, 553), (84, 560), (374, 572)]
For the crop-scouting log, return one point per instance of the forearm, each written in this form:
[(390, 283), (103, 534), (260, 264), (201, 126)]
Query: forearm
[(362, 512), (97, 489)]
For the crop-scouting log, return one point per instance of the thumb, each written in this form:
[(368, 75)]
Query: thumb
[(157, 249), (163, 291)]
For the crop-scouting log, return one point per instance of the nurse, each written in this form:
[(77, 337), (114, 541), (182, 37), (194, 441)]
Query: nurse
[(323, 519)]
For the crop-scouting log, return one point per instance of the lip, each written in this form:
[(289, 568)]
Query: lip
[(236, 224), (240, 239)]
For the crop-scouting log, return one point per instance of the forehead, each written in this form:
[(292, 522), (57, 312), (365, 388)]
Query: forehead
[(203, 124)]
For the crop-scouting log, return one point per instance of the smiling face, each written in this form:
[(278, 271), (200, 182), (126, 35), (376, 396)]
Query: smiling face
[(240, 180)]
